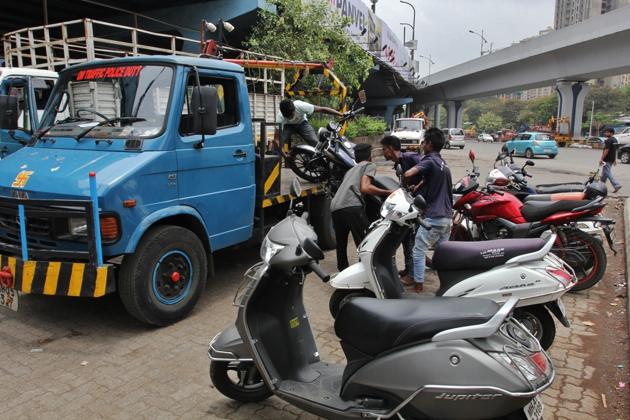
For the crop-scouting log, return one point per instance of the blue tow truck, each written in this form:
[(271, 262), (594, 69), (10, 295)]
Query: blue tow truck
[(141, 169)]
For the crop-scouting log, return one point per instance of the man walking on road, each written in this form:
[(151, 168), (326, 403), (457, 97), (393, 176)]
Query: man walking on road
[(436, 188), (292, 118), (609, 158), (403, 161), (348, 206)]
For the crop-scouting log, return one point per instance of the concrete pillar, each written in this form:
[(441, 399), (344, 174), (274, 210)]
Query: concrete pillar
[(454, 114), (436, 115), (571, 97)]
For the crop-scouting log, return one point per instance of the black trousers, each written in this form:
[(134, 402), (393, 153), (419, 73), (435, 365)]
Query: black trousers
[(349, 220)]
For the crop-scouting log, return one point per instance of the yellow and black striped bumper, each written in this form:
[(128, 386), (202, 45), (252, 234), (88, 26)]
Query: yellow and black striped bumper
[(60, 278), (279, 199)]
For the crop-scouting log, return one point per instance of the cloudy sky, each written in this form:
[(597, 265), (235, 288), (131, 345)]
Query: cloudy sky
[(442, 25)]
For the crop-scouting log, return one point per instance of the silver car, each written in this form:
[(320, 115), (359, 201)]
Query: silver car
[(454, 138)]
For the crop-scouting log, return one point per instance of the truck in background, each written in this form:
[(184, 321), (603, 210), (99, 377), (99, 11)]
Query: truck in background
[(410, 131)]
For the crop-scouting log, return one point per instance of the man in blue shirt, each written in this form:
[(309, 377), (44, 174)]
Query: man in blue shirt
[(403, 161), (436, 187)]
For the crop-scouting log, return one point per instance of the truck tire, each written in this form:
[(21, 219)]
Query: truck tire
[(321, 219), (162, 281)]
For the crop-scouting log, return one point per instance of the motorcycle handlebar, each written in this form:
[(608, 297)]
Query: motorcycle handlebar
[(319, 272)]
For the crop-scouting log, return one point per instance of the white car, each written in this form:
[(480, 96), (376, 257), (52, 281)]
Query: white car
[(485, 138), (454, 138), (623, 137)]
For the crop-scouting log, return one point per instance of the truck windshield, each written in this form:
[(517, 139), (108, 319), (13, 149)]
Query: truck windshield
[(111, 102), (408, 125)]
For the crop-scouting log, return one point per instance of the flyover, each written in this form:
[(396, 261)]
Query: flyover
[(598, 47)]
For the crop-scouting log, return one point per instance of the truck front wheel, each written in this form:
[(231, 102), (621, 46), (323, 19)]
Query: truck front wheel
[(162, 281)]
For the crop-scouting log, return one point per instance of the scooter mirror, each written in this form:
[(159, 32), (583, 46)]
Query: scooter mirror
[(312, 249), (419, 202), (529, 163), (471, 155)]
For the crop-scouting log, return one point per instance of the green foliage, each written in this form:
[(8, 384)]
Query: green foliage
[(364, 125), (310, 31), (489, 122), (360, 126)]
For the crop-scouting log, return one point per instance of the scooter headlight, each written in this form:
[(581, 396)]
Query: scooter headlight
[(268, 249)]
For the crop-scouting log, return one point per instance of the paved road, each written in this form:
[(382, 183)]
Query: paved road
[(570, 164), (79, 358)]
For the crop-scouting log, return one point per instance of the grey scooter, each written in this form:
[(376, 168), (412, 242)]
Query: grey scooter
[(444, 358)]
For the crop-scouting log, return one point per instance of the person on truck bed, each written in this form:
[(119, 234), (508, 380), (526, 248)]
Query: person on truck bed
[(348, 205), (292, 118)]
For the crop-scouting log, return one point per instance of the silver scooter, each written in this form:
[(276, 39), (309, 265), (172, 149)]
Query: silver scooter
[(494, 270), (445, 358)]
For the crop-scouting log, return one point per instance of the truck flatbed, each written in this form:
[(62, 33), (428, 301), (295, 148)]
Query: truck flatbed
[(287, 176)]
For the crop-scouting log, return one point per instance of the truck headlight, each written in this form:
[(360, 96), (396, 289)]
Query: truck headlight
[(77, 226)]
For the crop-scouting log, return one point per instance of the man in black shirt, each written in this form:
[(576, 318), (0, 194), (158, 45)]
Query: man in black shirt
[(403, 161), (436, 188), (609, 158)]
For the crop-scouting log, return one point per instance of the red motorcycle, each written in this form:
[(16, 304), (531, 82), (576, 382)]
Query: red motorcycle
[(487, 213)]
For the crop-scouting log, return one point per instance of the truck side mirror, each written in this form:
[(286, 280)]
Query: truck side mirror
[(8, 112), (204, 110)]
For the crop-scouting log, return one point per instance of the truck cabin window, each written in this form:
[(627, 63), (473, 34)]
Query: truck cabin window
[(227, 111), (117, 101), (408, 125)]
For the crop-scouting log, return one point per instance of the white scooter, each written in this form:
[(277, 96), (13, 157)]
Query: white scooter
[(499, 270)]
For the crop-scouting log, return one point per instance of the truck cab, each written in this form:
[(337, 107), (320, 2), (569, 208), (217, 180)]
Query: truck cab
[(141, 169), (410, 131), (32, 88)]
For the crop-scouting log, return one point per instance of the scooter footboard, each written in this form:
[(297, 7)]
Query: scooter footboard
[(228, 346)]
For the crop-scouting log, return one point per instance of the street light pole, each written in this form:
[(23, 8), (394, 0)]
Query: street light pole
[(430, 62), (413, 26), (483, 40)]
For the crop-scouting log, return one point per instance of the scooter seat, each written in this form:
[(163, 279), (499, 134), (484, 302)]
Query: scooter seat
[(373, 326), (483, 255), (559, 188), (534, 211)]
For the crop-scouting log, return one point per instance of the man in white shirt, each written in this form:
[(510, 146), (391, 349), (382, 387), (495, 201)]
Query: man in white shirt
[(292, 118)]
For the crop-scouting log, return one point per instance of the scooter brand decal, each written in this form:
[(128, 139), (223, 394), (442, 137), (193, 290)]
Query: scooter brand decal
[(294, 323), (109, 73), (21, 179), (459, 397), (492, 253), (517, 286)]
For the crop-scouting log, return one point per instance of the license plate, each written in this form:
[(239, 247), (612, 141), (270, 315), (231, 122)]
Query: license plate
[(9, 298), (534, 410)]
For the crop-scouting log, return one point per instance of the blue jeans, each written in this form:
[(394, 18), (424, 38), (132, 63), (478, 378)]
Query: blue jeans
[(425, 239), (607, 175)]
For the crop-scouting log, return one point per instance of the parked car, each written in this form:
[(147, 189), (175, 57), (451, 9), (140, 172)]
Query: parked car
[(623, 153), (410, 131), (454, 138), (485, 138), (596, 140), (530, 144), (623, 136)]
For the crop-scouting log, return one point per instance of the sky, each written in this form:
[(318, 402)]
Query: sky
[(442, 25)]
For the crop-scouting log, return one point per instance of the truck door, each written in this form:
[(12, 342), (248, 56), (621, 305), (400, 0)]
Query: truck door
[(32, 94), (217, 178)]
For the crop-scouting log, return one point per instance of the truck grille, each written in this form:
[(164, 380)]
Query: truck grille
[(34, 225)]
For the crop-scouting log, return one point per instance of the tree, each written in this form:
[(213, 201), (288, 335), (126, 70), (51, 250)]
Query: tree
[(310, 31), (489, 122)]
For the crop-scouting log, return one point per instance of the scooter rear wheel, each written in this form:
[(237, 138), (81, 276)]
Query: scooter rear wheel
[(239, 381), (340, 297), (539, 322)]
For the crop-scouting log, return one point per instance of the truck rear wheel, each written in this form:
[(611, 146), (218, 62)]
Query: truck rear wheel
[(162, 281)]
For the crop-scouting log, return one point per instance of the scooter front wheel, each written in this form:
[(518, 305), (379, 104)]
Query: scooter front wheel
[(539, 322), (239, 381)]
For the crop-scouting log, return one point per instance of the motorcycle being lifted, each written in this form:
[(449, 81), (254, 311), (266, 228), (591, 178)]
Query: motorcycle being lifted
[(485, 214), (330, 159)]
